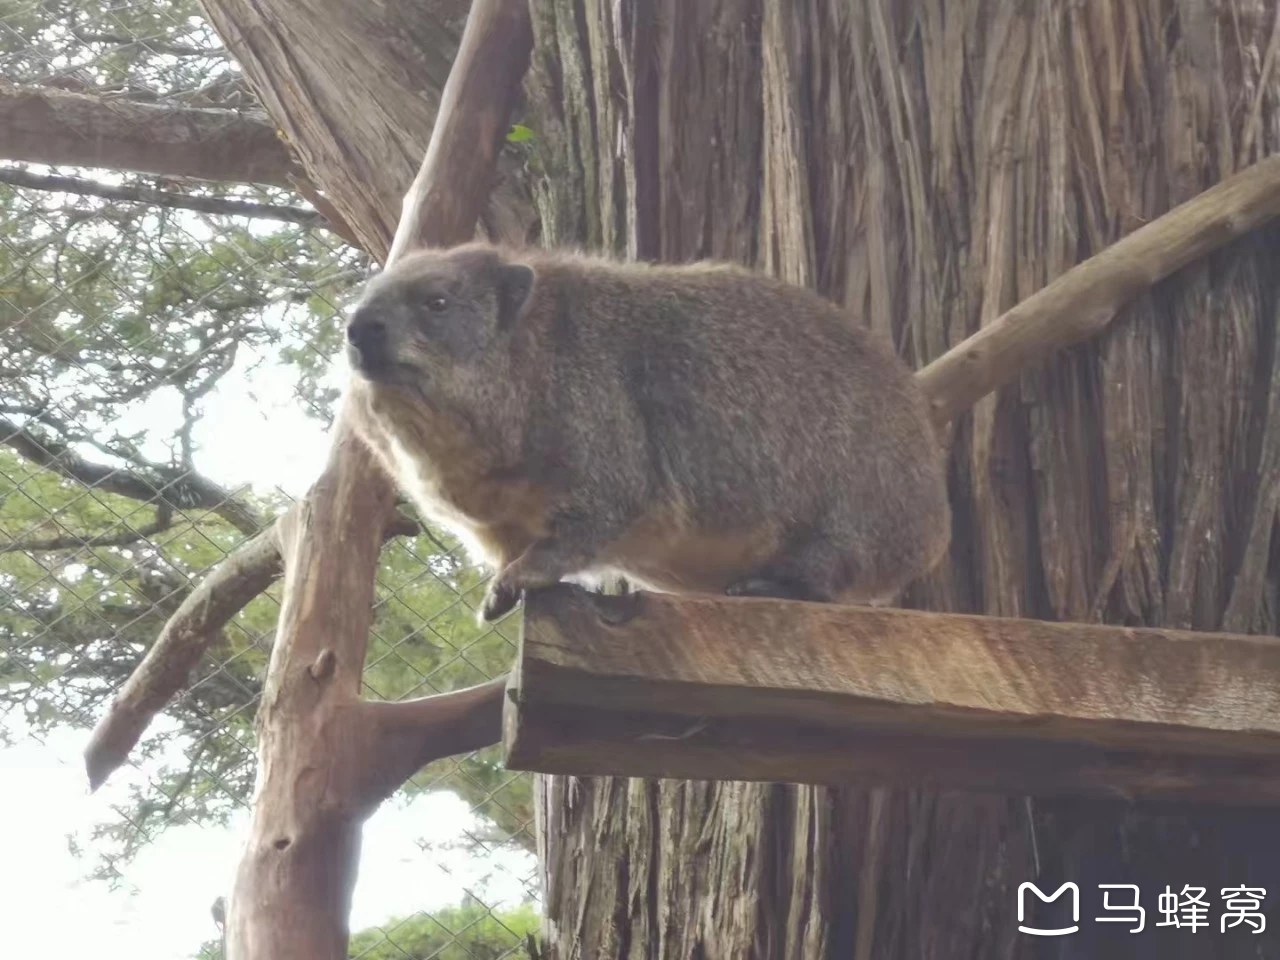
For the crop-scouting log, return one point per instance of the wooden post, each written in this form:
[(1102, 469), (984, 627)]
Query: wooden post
[(710, 688), (1080, 303), (327, 759)]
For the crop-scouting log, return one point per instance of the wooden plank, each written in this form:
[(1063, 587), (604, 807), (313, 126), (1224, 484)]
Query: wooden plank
[(755, 689)]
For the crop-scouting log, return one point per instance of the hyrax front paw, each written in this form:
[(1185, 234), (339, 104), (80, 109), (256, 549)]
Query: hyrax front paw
[(500, 599), (539, 566)]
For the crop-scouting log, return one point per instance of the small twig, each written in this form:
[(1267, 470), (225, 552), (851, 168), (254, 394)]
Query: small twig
[(153, 44), (186, 446), (136, 193), (178, 488), (176, 790)]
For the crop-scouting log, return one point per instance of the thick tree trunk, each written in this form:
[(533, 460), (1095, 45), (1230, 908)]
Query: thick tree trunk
[(930, 164)]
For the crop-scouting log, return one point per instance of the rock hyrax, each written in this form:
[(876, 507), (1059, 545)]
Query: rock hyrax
[(696, 428)]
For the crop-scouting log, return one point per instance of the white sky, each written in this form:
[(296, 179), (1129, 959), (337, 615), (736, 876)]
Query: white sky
[(253, 430)]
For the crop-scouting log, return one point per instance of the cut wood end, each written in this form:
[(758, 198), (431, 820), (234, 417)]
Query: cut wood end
[(110, 743)]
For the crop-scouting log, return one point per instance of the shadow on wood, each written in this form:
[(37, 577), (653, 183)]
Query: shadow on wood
[(712, 688)]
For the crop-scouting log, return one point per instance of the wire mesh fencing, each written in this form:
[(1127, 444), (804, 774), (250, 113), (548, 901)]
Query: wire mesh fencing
[(167, 378)]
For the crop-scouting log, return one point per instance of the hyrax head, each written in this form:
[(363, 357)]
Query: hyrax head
[(436, 312)]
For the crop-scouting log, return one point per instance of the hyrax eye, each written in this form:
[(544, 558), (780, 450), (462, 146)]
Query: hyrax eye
[(436, 304)]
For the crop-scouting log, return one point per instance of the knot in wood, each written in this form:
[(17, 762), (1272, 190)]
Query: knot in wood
[(616, 609)]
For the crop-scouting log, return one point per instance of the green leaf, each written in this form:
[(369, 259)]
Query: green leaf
[(519, 134)]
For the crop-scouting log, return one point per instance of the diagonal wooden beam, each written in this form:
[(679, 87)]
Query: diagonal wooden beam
[(1082, 302), (751, 689)]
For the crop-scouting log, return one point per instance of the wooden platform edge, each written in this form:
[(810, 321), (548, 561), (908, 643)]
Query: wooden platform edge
[(715, 688)]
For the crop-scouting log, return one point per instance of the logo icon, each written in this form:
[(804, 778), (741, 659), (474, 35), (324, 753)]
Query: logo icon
[(1075, 908)]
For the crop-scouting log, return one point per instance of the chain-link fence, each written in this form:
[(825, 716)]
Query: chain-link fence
[(168, 371)]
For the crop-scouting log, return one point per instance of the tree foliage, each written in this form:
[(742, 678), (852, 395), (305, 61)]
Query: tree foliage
[(146, 50), (469, 931)]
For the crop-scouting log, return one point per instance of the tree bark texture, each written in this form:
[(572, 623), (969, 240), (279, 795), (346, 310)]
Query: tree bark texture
[(930, 164)]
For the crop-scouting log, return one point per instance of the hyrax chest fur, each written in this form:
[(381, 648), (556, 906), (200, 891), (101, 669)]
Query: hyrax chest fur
[(696, 428)]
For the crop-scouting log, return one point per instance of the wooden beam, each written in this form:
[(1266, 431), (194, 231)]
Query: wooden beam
[(716, 688)]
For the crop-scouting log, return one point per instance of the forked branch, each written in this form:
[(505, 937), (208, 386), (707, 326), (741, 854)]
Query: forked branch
[(170, 487), (327, 758), (190, 631)]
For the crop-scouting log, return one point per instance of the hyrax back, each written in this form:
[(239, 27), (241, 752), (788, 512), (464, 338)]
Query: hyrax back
[(697, 428)]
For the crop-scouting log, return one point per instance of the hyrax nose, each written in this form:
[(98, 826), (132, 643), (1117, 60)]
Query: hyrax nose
[(367, 336)]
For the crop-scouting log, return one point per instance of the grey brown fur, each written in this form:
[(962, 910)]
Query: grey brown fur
[(696, 428)]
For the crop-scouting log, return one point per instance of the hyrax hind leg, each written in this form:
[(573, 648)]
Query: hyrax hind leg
[(810, 568), (822, 567)]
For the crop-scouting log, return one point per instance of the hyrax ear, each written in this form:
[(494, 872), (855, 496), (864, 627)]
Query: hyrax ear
[(514, 282)]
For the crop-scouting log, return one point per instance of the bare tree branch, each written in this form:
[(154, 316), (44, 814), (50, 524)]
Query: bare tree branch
[(163, 521), (135, 193), (178, 488), (157, 44), (409, 734), (192, 629), (60, 128)]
